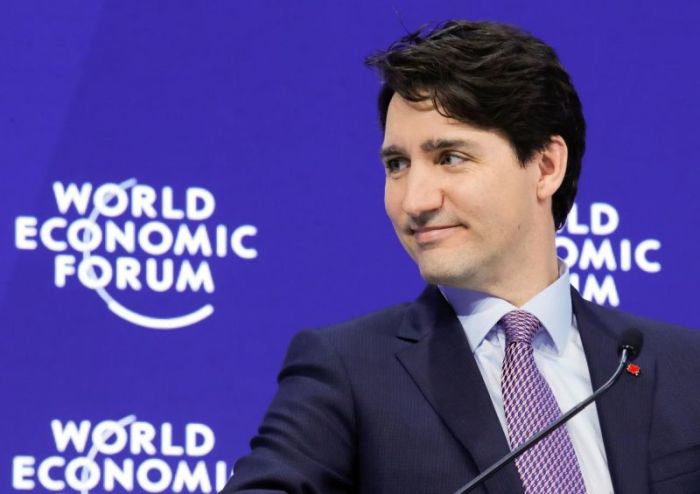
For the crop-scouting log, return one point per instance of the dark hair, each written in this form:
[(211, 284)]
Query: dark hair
[(496, 77)]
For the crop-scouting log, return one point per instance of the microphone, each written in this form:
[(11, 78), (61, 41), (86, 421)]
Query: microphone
[(630, 346), (632, 340)]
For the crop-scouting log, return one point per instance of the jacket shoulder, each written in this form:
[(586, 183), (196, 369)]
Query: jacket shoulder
[(660, 336), (384, 322)]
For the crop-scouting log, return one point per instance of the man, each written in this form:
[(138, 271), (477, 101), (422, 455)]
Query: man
[(483, 141)]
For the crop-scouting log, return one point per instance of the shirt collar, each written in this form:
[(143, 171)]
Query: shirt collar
[(479, 312)]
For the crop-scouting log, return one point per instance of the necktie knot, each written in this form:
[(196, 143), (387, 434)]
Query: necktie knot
[(520, 326)]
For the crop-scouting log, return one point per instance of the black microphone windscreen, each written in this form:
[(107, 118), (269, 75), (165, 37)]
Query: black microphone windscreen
[(633, 340)]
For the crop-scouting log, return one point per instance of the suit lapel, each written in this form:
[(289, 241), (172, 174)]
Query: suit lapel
[(441, 364), (625, 410)]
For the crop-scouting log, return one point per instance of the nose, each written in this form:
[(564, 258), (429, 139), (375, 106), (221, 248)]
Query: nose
[(423, 193)]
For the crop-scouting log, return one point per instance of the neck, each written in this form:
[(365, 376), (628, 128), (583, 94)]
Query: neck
[(523, 286), (529, 270), (532, 267)]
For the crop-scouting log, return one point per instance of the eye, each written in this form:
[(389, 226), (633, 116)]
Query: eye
[(395, 165), (452, 159)]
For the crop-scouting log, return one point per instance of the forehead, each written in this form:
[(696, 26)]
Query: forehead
[(412, 124), (401, 110)]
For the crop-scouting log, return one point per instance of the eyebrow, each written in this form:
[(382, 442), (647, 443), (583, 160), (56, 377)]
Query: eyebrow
[(429, 146), (432, 145), (391, 150)]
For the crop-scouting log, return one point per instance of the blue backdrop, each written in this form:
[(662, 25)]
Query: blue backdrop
[(186, 185)]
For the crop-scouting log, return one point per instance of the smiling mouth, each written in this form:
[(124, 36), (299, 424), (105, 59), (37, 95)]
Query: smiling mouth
[(430, 235)]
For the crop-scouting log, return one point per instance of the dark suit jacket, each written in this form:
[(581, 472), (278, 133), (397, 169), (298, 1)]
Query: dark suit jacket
[(395, 403)]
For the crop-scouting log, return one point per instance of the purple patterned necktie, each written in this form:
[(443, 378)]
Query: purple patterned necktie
[(550, 466)]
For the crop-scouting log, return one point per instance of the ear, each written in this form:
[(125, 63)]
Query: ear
[(552, 167)]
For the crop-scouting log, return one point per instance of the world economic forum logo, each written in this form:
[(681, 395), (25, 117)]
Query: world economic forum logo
[(119, 237), (597, 253)]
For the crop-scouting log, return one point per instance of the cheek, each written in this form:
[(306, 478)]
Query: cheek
[(392, 202), (512, 211), (487, 205), (470, 201)]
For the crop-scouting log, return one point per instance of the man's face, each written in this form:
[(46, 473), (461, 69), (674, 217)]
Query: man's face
[(460, 201)]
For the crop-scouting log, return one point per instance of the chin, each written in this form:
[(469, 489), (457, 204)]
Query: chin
[(442, 273)]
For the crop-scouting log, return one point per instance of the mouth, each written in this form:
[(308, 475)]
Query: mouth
[(430, 235)]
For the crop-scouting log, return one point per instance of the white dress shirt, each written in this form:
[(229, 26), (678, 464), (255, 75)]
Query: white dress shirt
[(559, 357)]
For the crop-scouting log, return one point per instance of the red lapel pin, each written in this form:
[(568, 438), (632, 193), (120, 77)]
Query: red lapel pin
[(633, 369)]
